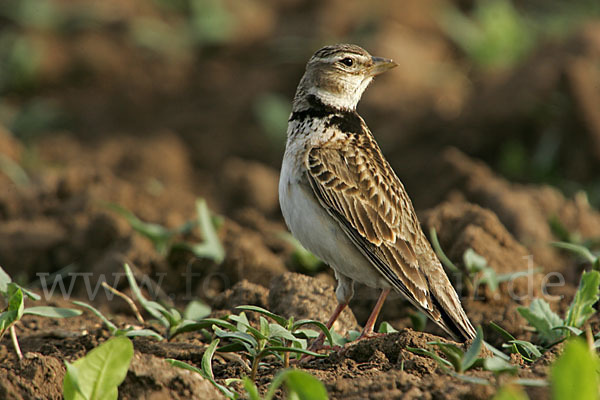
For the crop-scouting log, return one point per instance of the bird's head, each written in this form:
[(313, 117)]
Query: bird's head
[(338, 75)]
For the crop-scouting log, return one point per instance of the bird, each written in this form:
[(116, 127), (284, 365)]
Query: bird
[(341, 199)]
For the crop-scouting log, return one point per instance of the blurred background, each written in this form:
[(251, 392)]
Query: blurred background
[(152, 103)]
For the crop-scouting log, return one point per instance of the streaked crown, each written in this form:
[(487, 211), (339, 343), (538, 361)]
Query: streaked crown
[(338, 75)]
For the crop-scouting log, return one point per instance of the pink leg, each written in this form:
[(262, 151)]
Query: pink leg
[(368, 329), (336, 313)]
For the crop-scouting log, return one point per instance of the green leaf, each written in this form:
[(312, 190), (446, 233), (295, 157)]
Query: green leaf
[(15, 308), (71, 380), (142, 332), (157, 234), (151, 307), (196, 310), (581, 251), (100, 372), (498, 366), (452, 352), (543, 319), (207, 358), (251, 389), (305, 386), (4, 280), (582, 306), (496, 352), (111, 327), (444, 364), (573, 375), (472, 353), (279, 319), (531, 382), (278, 331), (183, 365), (473, 261), (296, 350), (419, 321), (386, 327), (245, 337), (52, 312), (211, 248), (319, 325), (440, 253), (528, 350), (510, 392)]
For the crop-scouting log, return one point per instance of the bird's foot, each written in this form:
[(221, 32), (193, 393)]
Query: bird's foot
[(370, 335)]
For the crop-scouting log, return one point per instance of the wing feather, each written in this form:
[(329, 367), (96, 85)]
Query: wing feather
[(364, 195)]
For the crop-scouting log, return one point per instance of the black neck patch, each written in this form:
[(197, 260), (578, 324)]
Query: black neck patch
[(347, 121)]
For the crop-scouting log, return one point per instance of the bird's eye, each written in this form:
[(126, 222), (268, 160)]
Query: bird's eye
[(348, 62)]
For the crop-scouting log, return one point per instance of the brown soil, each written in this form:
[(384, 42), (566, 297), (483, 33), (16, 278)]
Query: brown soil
[(152, 132)]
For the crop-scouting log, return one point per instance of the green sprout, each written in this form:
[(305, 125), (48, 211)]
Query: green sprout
[(550, 327), (279, 338), (574, 375), (98, 375), (14, 296), (476, 270), (300, 385), (170, 318), (164, 238), (112, 328)]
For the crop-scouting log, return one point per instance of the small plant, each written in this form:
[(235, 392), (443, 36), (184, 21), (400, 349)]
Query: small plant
[(164, 238), (580, 251), (457, 359), (279, 338), (575, 374), (494, 36), (206, 372), (550, 327), (476, 271), (112, 328), (529, 351), (98, 375), (300, 384), (170, 318), (14, 296)]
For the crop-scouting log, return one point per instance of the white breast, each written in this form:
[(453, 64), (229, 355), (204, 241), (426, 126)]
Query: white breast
[(312, 225)]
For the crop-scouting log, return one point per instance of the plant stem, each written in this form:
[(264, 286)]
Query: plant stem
[(255, 362), (15, 341), (138, 316)]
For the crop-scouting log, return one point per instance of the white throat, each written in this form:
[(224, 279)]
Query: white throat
[(347, 100)]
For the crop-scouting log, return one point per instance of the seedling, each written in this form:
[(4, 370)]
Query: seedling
[(206, 372), (529, 351), (98, 375), (298, 383), (581, 251), (460, 361), (550, 327), (14, 296), (112, 328), (476, 270), (457, 361), (164, 239), (170, 318), (279, 338), (574, 375)]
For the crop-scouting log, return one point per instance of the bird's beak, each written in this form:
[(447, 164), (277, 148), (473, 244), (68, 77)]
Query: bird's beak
[(380, 65)]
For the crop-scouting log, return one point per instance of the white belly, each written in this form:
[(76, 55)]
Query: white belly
[(320, 233)]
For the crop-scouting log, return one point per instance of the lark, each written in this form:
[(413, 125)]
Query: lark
[(341, 199)]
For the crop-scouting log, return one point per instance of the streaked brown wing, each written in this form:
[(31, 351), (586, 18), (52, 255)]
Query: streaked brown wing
[(357, 186)]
